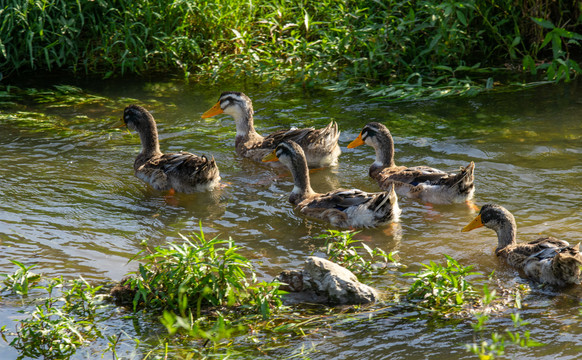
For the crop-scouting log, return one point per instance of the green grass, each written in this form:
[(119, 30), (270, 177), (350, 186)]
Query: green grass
[(206, 296), (341, 248), (386, 49), (197, 274), (443, 287)]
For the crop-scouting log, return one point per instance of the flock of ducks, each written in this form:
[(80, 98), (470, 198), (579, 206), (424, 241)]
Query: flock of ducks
[(545, 260)]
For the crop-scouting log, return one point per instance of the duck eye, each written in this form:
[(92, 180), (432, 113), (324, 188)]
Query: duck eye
[(365, 134)]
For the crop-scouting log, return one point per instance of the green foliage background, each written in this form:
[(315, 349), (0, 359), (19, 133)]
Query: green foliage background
[(342, 44)]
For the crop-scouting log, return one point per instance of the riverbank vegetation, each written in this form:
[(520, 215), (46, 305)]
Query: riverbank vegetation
[(205, 295), (386, 49)]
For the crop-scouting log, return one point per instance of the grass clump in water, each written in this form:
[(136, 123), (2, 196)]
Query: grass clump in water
[(488, 349), (68, 315), (340, 248), (198, 279), (443, 288)]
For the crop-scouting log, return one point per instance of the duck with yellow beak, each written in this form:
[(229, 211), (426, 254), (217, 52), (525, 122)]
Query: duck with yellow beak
[(320, 145), (419, 182), (341, 208), (546, 260)]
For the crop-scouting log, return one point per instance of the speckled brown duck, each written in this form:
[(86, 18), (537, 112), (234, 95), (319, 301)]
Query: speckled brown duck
[(181, 172), (320, 145), (341, 208), (546, 260), (420, 182)]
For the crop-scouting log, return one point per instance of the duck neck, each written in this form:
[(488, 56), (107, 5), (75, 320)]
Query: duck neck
[(245, 127), (302, 187), (506, 235), (384, 152), (150, 145)]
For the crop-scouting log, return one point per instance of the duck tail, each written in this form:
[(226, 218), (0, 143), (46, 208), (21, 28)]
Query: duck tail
[(330, 133), (465, 178), (386, 205)]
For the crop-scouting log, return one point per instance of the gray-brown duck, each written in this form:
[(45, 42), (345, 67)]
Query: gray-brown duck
[(419, 182), (320, 145), (342, 208), (181, 171), (546, 260)]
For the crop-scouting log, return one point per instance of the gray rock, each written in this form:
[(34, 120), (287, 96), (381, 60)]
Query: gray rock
[(324, 282)]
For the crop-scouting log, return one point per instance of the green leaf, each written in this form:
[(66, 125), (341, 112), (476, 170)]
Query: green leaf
[(461, 17), (516, 41), (547, 40), (567, 34), (444, 67), (543, 23), (529, 64)]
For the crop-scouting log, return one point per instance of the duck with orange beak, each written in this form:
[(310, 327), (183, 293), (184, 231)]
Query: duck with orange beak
[(419, 182), (341, 208), (320, 145), (546, 260)]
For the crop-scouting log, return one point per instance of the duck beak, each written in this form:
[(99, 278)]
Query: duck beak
[(215, 110), (357, 142), (271, 157), (476, 223)]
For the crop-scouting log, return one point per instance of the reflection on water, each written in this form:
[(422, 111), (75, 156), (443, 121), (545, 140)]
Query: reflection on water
[(71, 205)]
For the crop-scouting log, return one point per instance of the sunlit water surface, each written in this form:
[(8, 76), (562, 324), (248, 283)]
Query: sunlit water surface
[(71, 205)]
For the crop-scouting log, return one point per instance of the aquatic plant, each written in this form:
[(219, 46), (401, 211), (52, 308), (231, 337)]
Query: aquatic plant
[(488, 349), (442, 287), (21, 280), (196, 274), (341, 249), (70, 316)]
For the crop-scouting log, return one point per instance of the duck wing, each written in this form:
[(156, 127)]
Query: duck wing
[(415, 175), (309, 139), (426, 175), (543, 245), (353, 208), (183, 171), (341, 199), (428, 183), (517, 255), (186, 165), (320, 145), (297, 135)]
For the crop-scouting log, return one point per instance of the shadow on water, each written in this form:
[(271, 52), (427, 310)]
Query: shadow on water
[(71, 205)]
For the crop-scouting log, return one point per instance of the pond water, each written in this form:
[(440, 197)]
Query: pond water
[(71, 205)]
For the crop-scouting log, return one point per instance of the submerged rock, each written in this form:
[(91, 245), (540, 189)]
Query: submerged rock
[(324, 282)]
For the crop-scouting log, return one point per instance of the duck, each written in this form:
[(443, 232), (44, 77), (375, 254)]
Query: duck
[(320, 145), (341, 208), (546, 260), (419, 182), (175, 172)]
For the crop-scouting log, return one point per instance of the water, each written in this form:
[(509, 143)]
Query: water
[(71, 205)]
